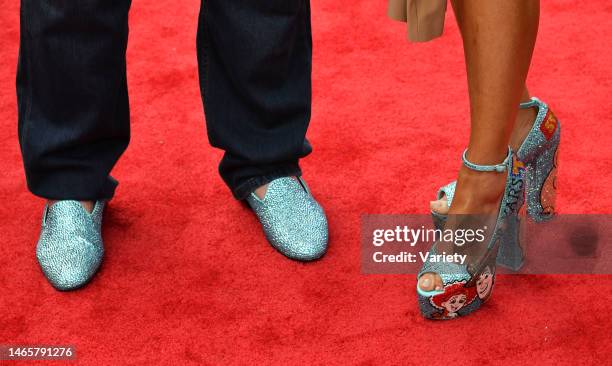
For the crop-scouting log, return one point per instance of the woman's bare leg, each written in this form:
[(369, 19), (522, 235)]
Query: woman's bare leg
[(522, 126), (498, 41)]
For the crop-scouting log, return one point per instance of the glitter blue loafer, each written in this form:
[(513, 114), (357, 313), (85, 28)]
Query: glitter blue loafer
[(70, 247), (468, 285), (293, 222), (539, 154)]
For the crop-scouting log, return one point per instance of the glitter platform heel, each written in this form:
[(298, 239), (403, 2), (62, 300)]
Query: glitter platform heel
[(466, 286), (538, 153)]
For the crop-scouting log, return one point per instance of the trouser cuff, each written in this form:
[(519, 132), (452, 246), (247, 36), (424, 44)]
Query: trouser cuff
[(244, 189)]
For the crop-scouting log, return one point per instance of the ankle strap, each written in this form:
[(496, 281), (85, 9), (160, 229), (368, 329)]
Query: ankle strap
[(534, 102), (500, 168)]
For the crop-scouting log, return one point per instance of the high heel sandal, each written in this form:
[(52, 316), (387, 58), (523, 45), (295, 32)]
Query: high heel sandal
[(467, 286), (538, 155)]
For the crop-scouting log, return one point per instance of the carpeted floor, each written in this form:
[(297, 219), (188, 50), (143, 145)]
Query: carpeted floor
[(189, 278)]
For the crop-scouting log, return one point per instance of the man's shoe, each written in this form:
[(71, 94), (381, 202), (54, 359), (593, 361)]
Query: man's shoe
[(294, 223), (70, 247)]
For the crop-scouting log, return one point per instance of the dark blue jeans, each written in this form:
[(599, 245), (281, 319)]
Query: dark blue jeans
[(254, 64)]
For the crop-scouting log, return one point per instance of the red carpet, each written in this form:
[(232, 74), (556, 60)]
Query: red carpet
[(188, 277)]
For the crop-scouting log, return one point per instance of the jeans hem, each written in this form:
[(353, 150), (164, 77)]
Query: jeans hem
[(61, 187)]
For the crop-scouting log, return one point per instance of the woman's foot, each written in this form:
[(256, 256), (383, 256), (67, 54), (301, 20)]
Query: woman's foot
[(522, 126), (470, 198), (449, 288)]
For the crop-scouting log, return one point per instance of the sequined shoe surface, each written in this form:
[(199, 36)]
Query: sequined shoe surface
[(293, 222), (468, 285), (539, 154), (70, 248)]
